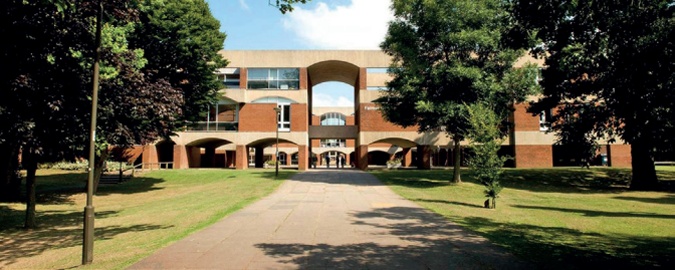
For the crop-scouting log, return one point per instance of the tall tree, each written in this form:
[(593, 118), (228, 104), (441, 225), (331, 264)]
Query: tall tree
[(448, 54), (181, 40), (617, 56)]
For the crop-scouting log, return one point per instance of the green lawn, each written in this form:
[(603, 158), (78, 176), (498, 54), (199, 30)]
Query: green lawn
[(556, 218), (133, 219)]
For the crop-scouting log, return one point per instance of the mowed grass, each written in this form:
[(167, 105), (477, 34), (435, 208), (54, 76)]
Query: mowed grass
[(556, 218), (133, 219)]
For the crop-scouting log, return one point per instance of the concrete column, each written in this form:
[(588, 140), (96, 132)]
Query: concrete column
[(150, 158), (303, 158), (259, 156), (407, 157), (288, 160), (362, 157), (180, 157), (424, 157), (241, 157)]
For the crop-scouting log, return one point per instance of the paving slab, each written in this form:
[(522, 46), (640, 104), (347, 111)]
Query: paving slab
[(332, 219)]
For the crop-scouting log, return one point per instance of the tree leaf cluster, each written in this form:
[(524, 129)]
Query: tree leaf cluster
[(447, 55), (610, 63)]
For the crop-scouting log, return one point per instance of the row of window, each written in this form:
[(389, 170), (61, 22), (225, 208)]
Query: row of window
[(274, 78)]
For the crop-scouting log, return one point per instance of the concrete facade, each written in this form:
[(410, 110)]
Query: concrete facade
[(241, 130)]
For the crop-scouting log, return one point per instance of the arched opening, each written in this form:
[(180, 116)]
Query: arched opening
[(165, 153), (262, 151), (211, 153)]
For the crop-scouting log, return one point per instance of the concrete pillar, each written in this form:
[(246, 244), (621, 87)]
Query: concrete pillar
[(424, 157), (362, 157), (241, 157), (303, 157), (180, 157), (288, 160), (259, 157), (407, 157), (150, 158)]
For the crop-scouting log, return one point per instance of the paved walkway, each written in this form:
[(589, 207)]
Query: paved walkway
[(332, 219)]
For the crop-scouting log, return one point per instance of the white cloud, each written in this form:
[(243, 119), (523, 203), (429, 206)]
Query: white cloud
[(362, 24), (243, 5), (326, 100)]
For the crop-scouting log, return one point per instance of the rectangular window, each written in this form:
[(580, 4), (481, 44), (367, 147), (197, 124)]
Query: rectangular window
[(274, 78), (377, 88), (377, 70), (284, 117), (333, 143), (229, 77), (544, 120)]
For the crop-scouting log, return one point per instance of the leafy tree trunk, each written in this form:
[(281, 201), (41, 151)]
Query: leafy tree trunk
[(30, 163), (456, 178), (10, 184), (644, 172)]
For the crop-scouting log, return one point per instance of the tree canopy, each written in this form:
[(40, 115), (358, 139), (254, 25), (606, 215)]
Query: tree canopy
[(46, 96), (448, 54), (612, 64)]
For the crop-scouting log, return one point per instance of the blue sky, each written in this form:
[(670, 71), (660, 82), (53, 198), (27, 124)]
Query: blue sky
[(318, 25)]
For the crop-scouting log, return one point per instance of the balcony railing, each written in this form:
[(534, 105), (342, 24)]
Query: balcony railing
[(214, 126)]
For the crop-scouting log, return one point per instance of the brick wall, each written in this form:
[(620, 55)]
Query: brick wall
[(243, 78), (299, 117), (523, 120), (258, 117), (303, 78), (372, 120), (533, 156), (619, 155)]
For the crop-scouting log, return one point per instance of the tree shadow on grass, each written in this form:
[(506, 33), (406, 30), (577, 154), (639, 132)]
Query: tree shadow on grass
[(132, 186), (592, 213), (564, 248), (59, 229), (667, 199), (450, 202)]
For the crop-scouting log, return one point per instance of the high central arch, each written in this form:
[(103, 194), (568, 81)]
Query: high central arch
[(322, 132)]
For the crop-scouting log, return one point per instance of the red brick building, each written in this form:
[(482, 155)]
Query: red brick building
[(270, 92)]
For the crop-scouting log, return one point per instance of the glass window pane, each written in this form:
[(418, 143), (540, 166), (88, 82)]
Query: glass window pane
[(258, 73), (289, 74), (257, 84), (273, 74), (287, 113)]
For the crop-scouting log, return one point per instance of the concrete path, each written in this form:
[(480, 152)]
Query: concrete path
[(332, 219)]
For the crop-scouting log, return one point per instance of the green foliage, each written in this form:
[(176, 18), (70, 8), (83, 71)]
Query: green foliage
[(610, 64), (486, 140), (447, 54), (181, 40), (287, 5)]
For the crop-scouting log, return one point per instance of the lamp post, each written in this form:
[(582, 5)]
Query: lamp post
[(88, 233), (276, 152)]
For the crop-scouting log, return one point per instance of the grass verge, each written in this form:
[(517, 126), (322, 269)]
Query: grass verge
[(556, 218), (133, 219)]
